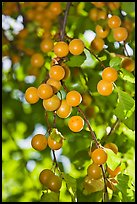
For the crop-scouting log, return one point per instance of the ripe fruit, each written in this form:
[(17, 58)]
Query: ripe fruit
[(31, 95), (51, 104), (73, 98), (99, 156), (55, 8), (46, 45), (94, 171), (102, 14), (61, 49), (45, 91), (93, 14), (102, 33), (37, 60), (76, 123), (39, 142), (128, 64), (56, 85), (76, 46), (112, 146), (67, 71), (98, 4), (113, 5), (64, 110), (56, 72), (44, 176), (104, 88), (53, 144), (97, 45), (120, 34), (114, 21), (86, 99), (54, 183), (109, 74), (113, 173)]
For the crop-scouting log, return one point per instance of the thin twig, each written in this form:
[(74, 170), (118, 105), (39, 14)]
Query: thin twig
[(105, 196), (54, 121), (88, 124), (115, 125), (96, 57), (62, 33)]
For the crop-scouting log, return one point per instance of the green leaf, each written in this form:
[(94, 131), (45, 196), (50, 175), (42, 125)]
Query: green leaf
[(113, 160), (91, 185), (125, 106), (126, 75), (71, 184), (115, 62), (76, 61), (50, 197), (56, 135), (128, 7), (123, 187)]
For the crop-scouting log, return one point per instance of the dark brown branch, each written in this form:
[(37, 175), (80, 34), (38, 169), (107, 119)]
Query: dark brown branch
[(105, 196), (62, 33)]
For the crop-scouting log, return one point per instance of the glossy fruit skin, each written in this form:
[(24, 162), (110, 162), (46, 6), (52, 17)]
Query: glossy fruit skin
[(56, 85), (112, 146), (51, 104), (76, 46), (53, 144), (56, 72), (104, 88), (102, 14), (61, 49), (64, 110), (45, 91), (73, 98), (109, 74), (39, 142), (46, 45), (128, 64), (76, 123), (55, 183), (44, 176), (37, 60), (31, 95), (97, 45), (120, 34), (94, 171), (114, 22), (101, 33), (55, 8), (67, 71), (113, 173), (99, 156)]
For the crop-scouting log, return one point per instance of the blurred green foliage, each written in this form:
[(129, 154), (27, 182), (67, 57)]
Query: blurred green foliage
[(21, 164)]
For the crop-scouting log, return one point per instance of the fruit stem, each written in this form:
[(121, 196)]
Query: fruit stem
[(96, 57), (88, 124), (62, 32)]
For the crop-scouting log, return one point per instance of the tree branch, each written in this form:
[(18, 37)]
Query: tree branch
[(62, 32)]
